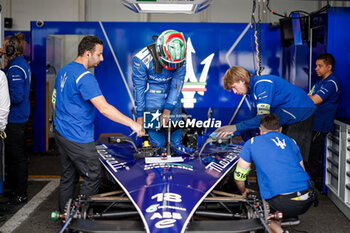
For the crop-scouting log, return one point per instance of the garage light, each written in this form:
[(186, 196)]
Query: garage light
[(161, 8), (167, 6)]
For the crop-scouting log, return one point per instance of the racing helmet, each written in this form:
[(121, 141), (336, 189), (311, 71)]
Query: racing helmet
[(171, 49)]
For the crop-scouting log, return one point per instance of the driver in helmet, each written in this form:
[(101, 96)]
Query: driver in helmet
[(158, 73)]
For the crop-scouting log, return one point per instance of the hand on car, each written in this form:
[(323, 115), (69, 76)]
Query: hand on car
[(247, 191), (138, 128), (164, 119), (226, 130)]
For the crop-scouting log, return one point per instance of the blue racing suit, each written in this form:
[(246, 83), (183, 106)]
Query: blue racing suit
[(157, 91)]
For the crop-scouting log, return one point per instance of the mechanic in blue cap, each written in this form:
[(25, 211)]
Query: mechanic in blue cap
[(326, 95), (272, 94), (283, 181), (158, 74)]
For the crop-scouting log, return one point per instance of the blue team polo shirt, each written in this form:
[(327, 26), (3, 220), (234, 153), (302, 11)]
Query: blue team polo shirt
[(277, 160), (282, 98), (329, 90), (75, 113)]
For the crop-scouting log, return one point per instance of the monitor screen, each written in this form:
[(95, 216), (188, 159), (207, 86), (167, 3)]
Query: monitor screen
[(286, 28)]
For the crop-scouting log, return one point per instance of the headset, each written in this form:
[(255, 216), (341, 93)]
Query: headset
[(10, 48)]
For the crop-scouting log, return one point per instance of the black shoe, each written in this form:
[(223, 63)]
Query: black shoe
[(290, 221), (7, 209), (2, 218), (9, 194), (18, 200)]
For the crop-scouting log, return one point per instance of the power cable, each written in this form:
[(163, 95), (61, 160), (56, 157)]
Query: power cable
[(257, 35), (253, 23), (325, 8), (271, 11), (256, 30)]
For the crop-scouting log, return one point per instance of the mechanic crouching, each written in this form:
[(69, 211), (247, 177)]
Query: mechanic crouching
[(282, 179)]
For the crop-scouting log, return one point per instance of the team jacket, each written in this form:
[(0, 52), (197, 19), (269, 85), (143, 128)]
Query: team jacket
[(272, 94), (145, 79), (19, 77)]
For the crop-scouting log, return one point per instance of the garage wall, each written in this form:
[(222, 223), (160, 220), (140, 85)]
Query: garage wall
[(23, 11), (207, 60)]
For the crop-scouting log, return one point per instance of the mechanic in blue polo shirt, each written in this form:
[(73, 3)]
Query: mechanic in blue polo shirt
[(272, 94), (283, 181), (326, 95), (74, 99)]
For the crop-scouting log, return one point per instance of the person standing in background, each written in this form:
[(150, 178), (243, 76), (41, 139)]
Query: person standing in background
[(326, 95), (18, 73)]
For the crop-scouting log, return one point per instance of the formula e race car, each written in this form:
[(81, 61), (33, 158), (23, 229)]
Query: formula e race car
[(162, 193)]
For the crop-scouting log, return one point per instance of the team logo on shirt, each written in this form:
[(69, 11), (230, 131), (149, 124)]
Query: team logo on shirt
[(280, 143), (63, 80)]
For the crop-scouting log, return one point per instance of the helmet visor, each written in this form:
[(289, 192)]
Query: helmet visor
[(171, 65)]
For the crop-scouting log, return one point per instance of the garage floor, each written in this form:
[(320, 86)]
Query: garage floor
[(44, 169)]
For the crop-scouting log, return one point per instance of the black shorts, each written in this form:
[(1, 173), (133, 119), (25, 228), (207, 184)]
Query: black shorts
[(289, 207)]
